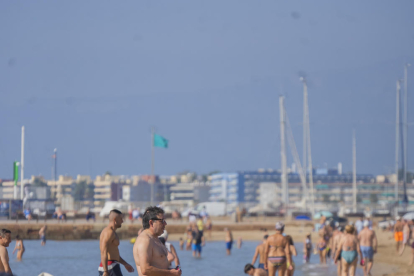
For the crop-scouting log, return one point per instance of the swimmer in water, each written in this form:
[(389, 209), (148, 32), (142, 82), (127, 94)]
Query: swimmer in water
[(349, 250), (239, 242), (228, 240), (293, 252), (181, 244), (19, 247), (42, 235), (260, 251), (277, 252), (249, 269), (336, 238), (108, 245), (307, 249)]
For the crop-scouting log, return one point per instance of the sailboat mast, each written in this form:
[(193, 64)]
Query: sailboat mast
[(283, 153), (354, 184), (397, 138)]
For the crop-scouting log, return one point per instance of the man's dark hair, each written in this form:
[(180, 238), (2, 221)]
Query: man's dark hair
[(248, 267), (116, 211), (3, 232), (149, 214), (265, 237), (17, 237)]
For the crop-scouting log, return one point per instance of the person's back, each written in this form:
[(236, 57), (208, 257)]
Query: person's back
[(261, 248), (277, 244), (366, 237), (260, 272)]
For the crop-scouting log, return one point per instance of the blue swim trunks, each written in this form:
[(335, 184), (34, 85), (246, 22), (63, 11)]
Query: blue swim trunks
[(196, 247), (367, 252), (228, 245)]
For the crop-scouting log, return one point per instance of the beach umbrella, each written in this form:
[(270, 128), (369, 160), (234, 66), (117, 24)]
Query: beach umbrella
[(326, 214), (409, 216)]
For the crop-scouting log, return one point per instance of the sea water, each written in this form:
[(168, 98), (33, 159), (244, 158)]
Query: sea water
[(68, 258)]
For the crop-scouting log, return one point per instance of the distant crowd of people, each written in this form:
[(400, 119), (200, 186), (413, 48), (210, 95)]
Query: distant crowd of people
[(348, 246)]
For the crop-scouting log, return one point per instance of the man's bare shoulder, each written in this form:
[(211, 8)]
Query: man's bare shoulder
[(107, 232), (3, 251), (143, 240)]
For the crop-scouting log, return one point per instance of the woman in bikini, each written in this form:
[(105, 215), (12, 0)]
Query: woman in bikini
[(349, 249), (19, 247), (277, 252), (293, 252)]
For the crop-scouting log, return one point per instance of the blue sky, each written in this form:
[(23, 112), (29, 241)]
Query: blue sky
[(91, 77)]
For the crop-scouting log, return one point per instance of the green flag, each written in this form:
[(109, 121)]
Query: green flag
[(15, 172), (160, 141)]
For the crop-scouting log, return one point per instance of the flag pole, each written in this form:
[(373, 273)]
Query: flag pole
[(152, 165), (22, 167)]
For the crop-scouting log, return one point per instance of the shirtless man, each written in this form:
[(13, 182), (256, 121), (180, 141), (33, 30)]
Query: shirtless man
[(406, 236), (5, 240), (108, 244), (260, 251), (368, 244), (336, 238), (277, 252), (228, 240), (42, 235), (250, 270), (398, 234), (349, 250), (150, 254)]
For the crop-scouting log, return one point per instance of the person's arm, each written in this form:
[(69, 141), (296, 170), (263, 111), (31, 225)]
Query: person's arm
[(4, 256), (288, 255), (15, 248), (358, 249), (293, 250), (144, 252), (338, 251), (103, 244), (127, 266), (256, 253), (177, 260), (375, 242), (266, 253)]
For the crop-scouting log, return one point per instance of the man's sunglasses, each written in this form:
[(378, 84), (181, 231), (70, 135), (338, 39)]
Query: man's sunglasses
[(162, 220)]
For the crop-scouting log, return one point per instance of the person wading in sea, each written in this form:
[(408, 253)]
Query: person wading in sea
[(228, 240), (260, 251), (150, 254), (5, 240), (19, 247), (108, 244), (336, 238), (277, 252), (349, 250), (42, 235), (249, 269)]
